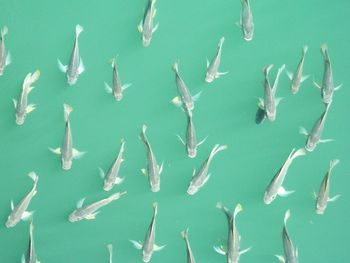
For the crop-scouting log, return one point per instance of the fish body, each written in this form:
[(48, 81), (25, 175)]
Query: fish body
[(5, 57), (213, 67), (297, 78), (247, 23), (275, 186), (202, 176), (21, 106), (146, 26), (31, 254), (190, 256), (90, 211), (20, 211)]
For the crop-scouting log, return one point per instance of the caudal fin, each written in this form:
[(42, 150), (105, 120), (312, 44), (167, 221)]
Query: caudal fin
[(221, 42), (116, 196), (143, 134), (4, 32), (305, 49), (176, 67), (78, 30), (237, 210), (297, 153), (332, 164), (217, 148), (184, 234), (286, 217), (34, 177), (67, 110)]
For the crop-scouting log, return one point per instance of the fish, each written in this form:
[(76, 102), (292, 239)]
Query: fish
[(190, 256), (314, 137), (191, 137), (275, 186), (76, 66), (67, 152), (323, 198), (20, 212), (297, 78), (153, 169), (117, 87), (269, 103), (149, 246), (31, 254), (185, 96), (233, 250), (291, 253), (246, 22), (112, 177), (110, 252), (21, 106), (146, 27), (213, 67), (90, 211), (199, 179), (327, 88), (5, 57)]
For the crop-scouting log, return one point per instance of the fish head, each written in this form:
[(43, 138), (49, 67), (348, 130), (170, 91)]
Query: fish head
[(248, 33), (155, 187), (209, 77), (146, 257), (294, 89), (118, 96), (192, 153), (20, 118), (66, 164), (73, 217), (146, 40), (108, 186), (320, 209), (71, 79), (310, 145), (271, 115), (268, 198), (11, 221), (192, 189)]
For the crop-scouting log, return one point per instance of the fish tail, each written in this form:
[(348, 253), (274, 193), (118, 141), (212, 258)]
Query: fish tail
[(267, 69), (286, 216), (113, 61), (219, 205), (117, 195), (184, 234), (34, 177), (332, 164), (155, 207), (217, 148), (299, 152), (78, 30), (4, 31), (176, 67), (237, 210), (122, 143), (305, 48), (221, 42), (143, 134), (67, 110)]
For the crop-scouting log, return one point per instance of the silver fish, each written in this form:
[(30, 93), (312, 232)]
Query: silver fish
[(191, 137), (275, 186), (233, 250), (153, 169), (31, 254), (21, 106), (112, 177), (90, 211), (291, 253), (5, 57), (146, 25), (213, 67), (323, 198), (67, 152), (269, 103), (110, 252), (185, 96), (327, 88), (149, 246), (297, 78), (314, 137), (76, 66), (118, 88), (199, 179), (190, 256), (20, 211), (246, 22)]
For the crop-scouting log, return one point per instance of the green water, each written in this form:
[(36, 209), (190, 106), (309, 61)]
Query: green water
[(42, 31)]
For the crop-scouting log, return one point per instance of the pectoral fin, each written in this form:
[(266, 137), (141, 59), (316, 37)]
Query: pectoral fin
[(108, 88), (144, 172), (180, 139), (8, 59), (30, 108), (77, 154), (338, 87), (261, 103), (140, 27), (155, 28), (334, 198), (283, 192), (14, 103), (197, 96), (137, 244), (27, 215), (177, 101), (220, 250), (280, 258), (91, 216), (157, 248), (62, 67), (161, 168), (125, 86), (241, 252), (303, 131), (81, 67), (56, 151), (317, 85), (289, 74), (12, 205), (303, 78), (326, 140), (80, 203), (102, 173), (118, 180)]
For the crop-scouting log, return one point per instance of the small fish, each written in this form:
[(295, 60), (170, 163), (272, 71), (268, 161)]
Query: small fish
[(191, 138), (213, 67), (190, 256), (146, 25), (269, 103), (185, 95), (112, 177), (246, 22), (21, 106), (153, 169), (297, 78), (76, 66), (31, 254), (314, 137), (275, 186), (327, 88), (118, 88), (233, 250), (199, 179), (323, 195), (291, 253), (20, 211), (149, 246), (5, 57), (110, 252), (90, 211)]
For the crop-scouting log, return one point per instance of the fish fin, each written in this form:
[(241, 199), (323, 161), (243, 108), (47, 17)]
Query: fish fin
[(303, 78), (297, 153), (80, 203), (305, 49), (237, 210), (220, 250), (317, 85), (108, 88), (161, 168), (221, 74), (34, 176), (283, 192), (110, 251), (208, 63), (303, 131), (8, 59), (125, 86), (206, 179), (261, 103), (334, 198), (155, 28), (116, 196), (77, 154), (286, 217), (30, 108), (30, 88), (289, 74), (12, 205), (338, 87), (278, 100), (62, 67), (78, 30), (239, 24), (194, 172), (4, 32), (91, 216), (23, 260), (157, 248), (14, 102), (280, 258), (27, 215), (314, 195), (184, 234), (67, 109), (55, 151), (144, 172), (118, 180), (102, 173), (154, 12), (137, 244), (180, 139), (241, 252), (202, 141), (177, 101), (140, 27), (326, 140), (333, 163), (81, 67), (197, 96)]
